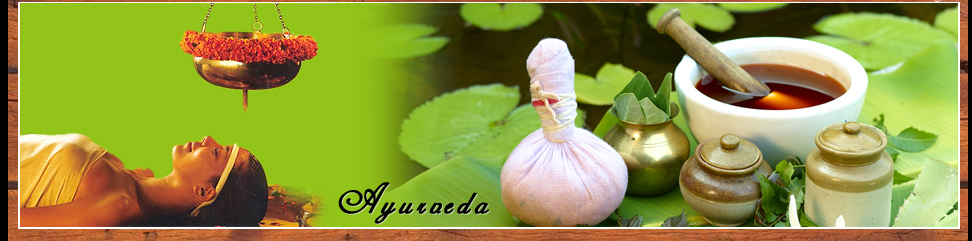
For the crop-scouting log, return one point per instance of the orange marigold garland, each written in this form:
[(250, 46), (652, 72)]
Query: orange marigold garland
[(211, 46)]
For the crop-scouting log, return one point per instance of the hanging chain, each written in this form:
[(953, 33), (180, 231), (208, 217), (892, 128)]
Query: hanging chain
[(284, 30), (256, 25), (207, 17)]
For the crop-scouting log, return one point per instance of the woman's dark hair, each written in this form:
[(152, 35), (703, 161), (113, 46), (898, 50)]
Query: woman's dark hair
[(241, 203)]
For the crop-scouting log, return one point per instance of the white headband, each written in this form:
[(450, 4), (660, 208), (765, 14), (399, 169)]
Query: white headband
[(222, 180)]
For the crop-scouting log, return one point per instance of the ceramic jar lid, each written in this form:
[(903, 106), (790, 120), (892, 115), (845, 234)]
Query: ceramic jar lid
[(851, 143), (730, 153)]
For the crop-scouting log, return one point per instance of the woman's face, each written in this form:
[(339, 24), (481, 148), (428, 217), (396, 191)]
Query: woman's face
[(203, 159)]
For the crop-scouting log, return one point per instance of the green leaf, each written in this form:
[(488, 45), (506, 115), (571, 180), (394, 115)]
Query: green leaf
[(609, 120), (640, 89), (795, 162), (770, 218), (805, 221), (602, 89), (634, 221), (751, 7), (438, 129), (913, 140), (950, 221), (936, 191), (407, 40), (629, 109), (898, 194), (932, 104), (892, 152), (900, 178), (786, 172), (948, 21), (652, 114), (500, 17), (878, 40), (453, 182), (639, 86), (707, 16), (505, 135), (663, 97), (654, 210), (879, 123), (796, 188), (676, 221), (770, 201)]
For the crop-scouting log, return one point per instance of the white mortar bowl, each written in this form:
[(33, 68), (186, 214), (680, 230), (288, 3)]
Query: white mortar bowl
[(777, 133)]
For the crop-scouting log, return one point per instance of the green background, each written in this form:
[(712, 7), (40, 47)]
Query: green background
[(116, 73)]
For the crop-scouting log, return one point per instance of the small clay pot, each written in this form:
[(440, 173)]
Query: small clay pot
[(850, 175), (721, 180)]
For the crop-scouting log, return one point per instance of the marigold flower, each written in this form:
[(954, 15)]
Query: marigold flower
[(211, 46)]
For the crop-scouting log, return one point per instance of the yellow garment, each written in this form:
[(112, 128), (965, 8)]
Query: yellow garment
[(51, 167)]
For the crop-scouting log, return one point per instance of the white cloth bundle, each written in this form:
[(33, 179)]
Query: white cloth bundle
[(560, 175)]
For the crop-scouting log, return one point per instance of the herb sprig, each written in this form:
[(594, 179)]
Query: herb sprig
[(910, 139), (788, 179)]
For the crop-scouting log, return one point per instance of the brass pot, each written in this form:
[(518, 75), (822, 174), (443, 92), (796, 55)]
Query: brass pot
[(720, 181), (653, 153), (246, 76)]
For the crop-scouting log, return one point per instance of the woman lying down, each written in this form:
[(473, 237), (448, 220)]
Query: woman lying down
[(67, 180)]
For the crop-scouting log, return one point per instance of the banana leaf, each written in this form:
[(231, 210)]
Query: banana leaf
[(922, 93)]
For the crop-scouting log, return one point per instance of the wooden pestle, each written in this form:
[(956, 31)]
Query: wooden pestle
[(727, 72)]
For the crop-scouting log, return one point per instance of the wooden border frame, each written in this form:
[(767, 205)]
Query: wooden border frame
[(465, 234)]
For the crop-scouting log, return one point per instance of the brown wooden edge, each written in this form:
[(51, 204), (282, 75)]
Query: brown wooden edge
[(480, 234)]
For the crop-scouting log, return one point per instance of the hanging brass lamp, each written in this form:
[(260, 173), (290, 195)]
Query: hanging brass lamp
[(248, 60)]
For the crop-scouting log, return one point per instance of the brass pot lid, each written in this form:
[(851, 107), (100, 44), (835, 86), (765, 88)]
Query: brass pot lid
[(730, 153), (851, 143)]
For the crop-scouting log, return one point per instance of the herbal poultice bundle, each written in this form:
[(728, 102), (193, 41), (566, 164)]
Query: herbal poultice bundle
[(560, 175)]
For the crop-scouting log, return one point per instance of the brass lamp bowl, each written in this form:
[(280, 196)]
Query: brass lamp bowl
[(246, 76)]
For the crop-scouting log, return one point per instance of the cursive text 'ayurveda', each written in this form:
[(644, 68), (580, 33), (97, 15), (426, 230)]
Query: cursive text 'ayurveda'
[(356, 202)]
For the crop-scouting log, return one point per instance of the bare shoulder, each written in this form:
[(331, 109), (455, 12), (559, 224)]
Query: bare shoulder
[(98, 179)]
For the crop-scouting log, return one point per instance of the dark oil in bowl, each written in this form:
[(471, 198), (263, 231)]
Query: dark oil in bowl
[(793, 87)]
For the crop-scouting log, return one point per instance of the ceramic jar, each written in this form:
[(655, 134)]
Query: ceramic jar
[(849, 174), (653, 153), (721, 180)]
